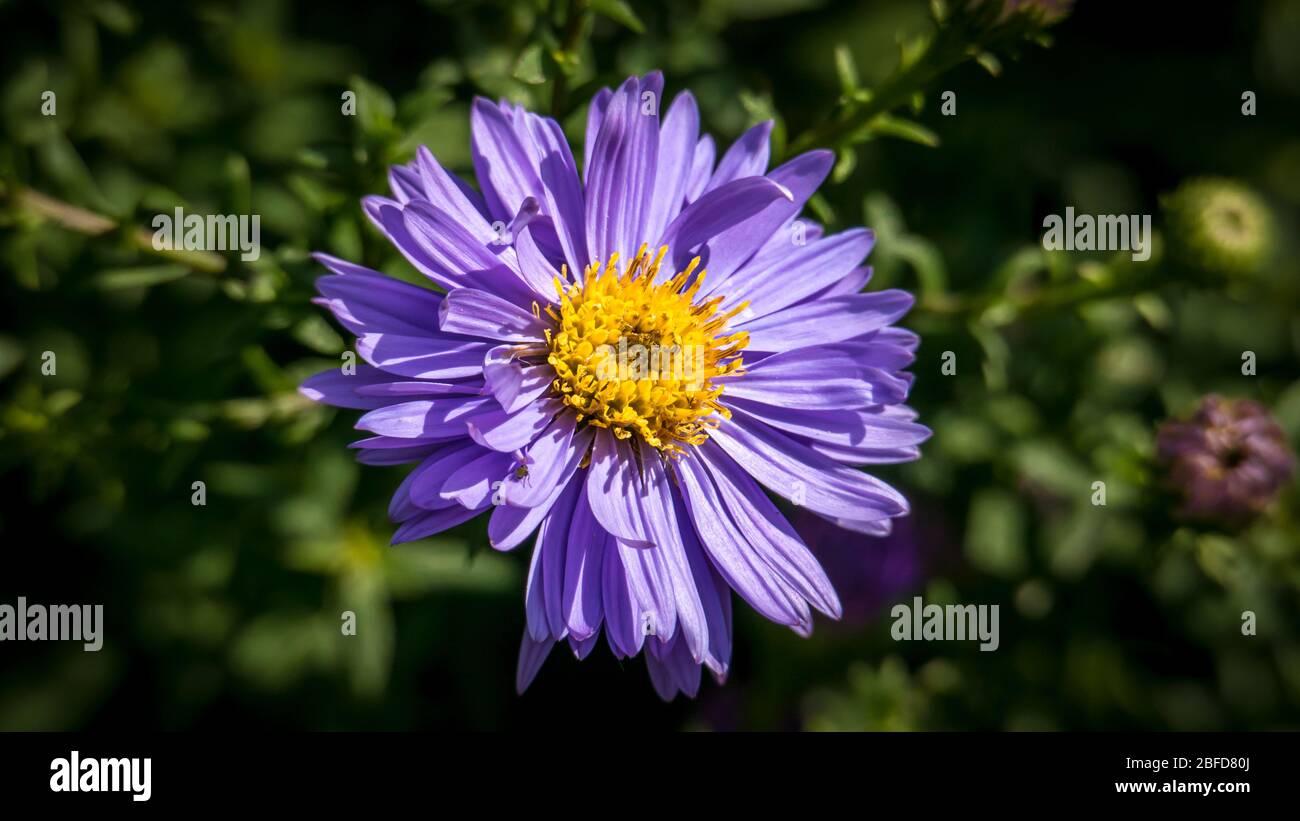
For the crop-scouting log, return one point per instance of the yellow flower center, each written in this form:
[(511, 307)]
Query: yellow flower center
[(637, 356)]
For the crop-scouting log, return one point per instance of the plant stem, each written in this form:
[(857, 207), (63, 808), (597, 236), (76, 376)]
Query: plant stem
[(574, 25), (75, 218), (1049, 299), (944, 52)]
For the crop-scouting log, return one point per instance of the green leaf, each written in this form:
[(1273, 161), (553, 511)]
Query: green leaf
[(1022, 265), (996, 356), (1154, 310), (114, 16), (1287, 410), (270, 378), (278, 649), (11, 355), (60, 159), (620, 12), (889, 126), (822, 209), (925, 259), (911, 50), (316, 333), (345, 238), (423, 567), (846, 69), (846, 160), (445, 132), (142, 277), (375, 107), (1222, 559), (995, 533), (368, 655), (990, 62), (965, 438), (528, 68), (1048, 465), (317, 195), (758, 106), (883, 215)]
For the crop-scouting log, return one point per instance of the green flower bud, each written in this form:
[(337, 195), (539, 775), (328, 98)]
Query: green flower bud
[(1218, 225)]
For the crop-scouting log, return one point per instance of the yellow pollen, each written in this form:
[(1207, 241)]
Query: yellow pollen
[(637, 356)]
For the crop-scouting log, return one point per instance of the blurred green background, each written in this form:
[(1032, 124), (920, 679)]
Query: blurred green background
[(183, 368)]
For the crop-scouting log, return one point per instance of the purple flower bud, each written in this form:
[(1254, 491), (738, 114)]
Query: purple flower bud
[(1037, 13), (1048, 12), (1228, 461)]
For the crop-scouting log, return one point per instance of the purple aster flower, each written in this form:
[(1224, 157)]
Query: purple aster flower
[(1228, 461), (621, 362)]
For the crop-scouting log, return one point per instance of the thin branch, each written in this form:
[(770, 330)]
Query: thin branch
[(83, 221)]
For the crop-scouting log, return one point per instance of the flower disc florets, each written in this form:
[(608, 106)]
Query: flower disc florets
[(635, 353)]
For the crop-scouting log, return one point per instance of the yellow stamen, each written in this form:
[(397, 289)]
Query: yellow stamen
[(637, 357)]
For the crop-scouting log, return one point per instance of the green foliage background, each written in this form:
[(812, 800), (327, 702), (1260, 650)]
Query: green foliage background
[(179, 368)]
